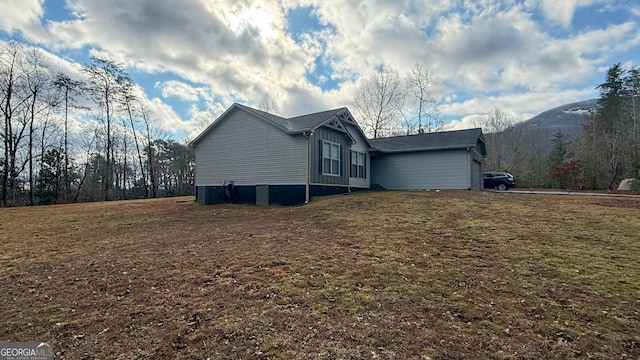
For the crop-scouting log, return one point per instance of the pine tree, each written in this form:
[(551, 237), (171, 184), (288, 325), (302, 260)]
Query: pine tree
[(556, 157)]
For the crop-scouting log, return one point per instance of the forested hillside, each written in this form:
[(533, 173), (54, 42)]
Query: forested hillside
[(592, 144), (67, 139)]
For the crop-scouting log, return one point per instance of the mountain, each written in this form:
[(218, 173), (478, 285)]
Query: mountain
[(565, 118), (523, 148)]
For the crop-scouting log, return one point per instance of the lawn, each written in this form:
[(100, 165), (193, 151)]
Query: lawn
[(382, 275)]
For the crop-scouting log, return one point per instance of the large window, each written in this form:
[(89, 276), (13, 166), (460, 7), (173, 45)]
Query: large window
[(330, 158), (357, 165)]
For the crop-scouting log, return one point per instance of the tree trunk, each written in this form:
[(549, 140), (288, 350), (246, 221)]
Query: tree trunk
[(31, 121), (67, 182), (107, 183), (135, 138), (8, 114)]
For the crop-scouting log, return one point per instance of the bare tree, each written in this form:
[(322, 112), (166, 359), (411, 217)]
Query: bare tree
[(498, 121), (531, 145), (149, 145), (70, 89), (88, 143), (269, 104), (8, 58), (499, 139), (14, 97), (29, 136), (127, 102), (38, 83), (379, 99), (104, 84), (421, 84)]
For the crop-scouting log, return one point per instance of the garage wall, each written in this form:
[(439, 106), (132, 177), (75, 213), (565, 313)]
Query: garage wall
[(476, 175), (445, 169)]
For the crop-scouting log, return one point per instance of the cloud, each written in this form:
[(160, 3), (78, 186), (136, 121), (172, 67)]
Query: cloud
[(563, 12), (469, 122), (163, 116), (520, 55), (21, 15), (523, 103), (559, 11), (180, 90), (200, 42), (520, 107)]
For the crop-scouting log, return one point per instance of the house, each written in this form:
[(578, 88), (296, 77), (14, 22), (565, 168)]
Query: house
[(251, 156), (442, 160)]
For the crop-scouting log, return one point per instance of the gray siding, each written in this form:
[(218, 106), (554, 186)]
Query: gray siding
[(477, 164), (445, 169), (476, 175), (360, 146), (324, 133), (249, 151)]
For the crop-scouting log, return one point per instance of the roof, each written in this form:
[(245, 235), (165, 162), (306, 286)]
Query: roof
[(458, 139), (297, 124), (292, 126), (313, 121), (274, 119)]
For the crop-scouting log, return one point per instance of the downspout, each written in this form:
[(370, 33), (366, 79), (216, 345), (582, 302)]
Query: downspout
[(308, 135), (470, 167)]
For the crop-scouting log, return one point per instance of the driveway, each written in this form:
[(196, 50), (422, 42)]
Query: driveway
[(561, 192)]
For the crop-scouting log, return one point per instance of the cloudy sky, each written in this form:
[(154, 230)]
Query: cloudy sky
[(194, 58)]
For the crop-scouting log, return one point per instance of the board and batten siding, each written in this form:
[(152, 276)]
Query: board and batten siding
[(445, 169), (334, 136), (250, 151), (360, 146)]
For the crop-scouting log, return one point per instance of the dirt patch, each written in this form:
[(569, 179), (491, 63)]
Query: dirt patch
[(388, 275)]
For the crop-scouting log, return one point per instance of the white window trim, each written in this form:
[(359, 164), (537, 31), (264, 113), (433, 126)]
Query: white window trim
[(324, 156), (364, 161)]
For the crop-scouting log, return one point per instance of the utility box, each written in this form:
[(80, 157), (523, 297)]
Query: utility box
[(262, 195)]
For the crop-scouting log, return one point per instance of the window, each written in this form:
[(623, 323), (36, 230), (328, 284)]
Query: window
[(330, 158), (357, 165)]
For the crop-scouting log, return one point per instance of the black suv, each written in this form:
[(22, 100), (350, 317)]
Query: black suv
[(498, 180)]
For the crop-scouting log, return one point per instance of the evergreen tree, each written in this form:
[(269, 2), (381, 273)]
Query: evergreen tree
[(556, 157), (632, 93), (51, 181), (611, 97)]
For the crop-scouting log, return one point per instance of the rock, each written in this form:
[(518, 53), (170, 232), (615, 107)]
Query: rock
[(632, 184)]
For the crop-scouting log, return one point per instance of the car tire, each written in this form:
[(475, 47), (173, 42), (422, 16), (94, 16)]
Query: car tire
[(502, 187)]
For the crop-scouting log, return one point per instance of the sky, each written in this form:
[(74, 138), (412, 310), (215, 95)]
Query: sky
[(192, 59)]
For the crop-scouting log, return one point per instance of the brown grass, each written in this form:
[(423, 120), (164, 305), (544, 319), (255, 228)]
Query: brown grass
[(387, 275)]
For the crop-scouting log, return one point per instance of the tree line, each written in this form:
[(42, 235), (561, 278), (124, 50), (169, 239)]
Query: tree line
[(45, 158), (116, 154), (605, 151)]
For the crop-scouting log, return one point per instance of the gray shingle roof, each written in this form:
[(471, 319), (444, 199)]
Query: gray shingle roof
[(431, 141), (296, 124), (421, 142), (312, 121)]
